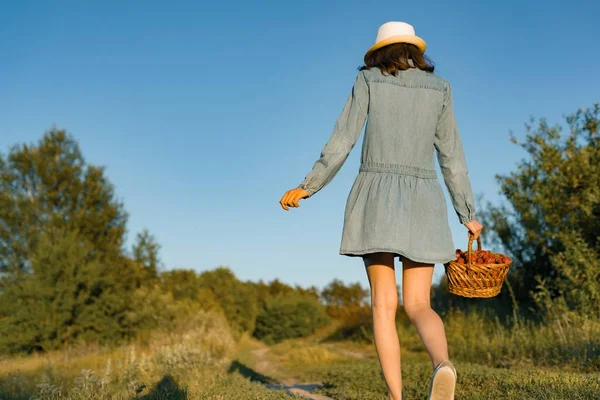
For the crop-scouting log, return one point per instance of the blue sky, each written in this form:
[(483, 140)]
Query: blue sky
[(205, 114)]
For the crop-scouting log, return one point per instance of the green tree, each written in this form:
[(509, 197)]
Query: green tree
[(289, 316), (184, 284), (71, 294), (549, 222), (64, 276), (51, 185), (343, 300), (275, 287), (145, 252)]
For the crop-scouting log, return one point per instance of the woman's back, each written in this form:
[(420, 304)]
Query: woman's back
[(403, 113)]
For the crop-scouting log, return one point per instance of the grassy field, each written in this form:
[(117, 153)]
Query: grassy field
[(197, 362), (343, 370), (202, 361)]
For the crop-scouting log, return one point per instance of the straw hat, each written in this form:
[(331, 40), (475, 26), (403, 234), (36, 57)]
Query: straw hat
[(396, 32)]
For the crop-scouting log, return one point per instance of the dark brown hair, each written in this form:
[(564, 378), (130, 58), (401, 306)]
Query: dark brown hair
[(393, 57)]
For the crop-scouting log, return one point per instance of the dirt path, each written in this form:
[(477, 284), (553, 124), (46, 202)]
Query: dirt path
[(346, 352), (259, 358), (305, 389)]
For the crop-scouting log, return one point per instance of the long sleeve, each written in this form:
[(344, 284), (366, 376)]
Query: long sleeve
[(345, 134), (451, 157)]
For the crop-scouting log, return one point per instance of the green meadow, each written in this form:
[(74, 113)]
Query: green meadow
[(202, 360)]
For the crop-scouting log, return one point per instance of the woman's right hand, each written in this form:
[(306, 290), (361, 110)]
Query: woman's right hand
[(292, 197), (475, 228)]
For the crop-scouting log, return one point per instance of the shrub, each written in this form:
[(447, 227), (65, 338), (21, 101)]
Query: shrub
[(237, 299), (289, 317)]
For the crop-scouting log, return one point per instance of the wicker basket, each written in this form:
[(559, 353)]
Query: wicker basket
[(475, 280)]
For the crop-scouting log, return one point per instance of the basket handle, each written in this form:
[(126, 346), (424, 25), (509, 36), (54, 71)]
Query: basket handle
[(470, 235)]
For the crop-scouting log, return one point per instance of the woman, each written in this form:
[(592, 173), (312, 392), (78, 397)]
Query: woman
[(396, 206)]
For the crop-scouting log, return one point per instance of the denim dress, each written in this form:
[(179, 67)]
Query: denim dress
[(396, 203)]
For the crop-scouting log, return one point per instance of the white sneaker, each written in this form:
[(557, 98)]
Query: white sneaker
[(443, 382)]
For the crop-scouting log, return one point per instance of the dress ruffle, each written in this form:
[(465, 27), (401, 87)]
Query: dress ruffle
[(399, 213)]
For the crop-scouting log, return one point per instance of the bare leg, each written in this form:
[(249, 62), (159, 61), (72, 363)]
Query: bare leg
[(384, 302), (416, 289)]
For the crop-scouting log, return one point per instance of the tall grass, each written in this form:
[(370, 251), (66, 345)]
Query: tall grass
[(568, 340), (180, 361), (559, 337)]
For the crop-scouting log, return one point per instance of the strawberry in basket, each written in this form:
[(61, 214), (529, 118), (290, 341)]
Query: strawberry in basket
[(482, 257)]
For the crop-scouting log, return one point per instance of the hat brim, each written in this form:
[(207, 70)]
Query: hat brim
[(417, 41)]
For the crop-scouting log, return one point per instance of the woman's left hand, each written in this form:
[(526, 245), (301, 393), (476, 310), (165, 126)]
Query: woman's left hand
[(292, 197)]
